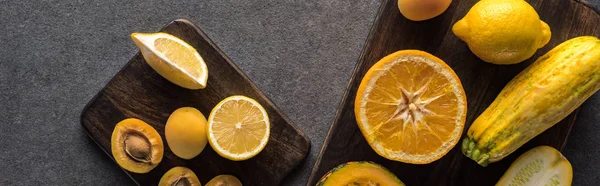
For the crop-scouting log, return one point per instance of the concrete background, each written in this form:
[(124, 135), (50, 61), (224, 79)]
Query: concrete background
[(56, 55)]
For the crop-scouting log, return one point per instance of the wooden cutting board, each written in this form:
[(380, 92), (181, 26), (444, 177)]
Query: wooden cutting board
[(138, 91), (482, 82)]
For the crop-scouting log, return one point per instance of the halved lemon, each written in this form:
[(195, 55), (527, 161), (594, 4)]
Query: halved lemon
[(238, 128), (411, 107), (173, 59)]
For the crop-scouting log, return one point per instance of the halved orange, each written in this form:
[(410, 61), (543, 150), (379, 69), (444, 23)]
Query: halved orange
[(411, 107)]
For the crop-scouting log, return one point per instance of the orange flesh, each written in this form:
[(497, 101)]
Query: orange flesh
[(412, 107)]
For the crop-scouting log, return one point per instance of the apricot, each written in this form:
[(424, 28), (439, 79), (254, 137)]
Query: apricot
[(185, 132), (224, 180), (419, 10), (136, 146), (179, 176)]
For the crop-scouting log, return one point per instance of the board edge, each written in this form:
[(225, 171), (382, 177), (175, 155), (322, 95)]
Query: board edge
[(239, 71), (344, 99), (589, 5), (92, 101)]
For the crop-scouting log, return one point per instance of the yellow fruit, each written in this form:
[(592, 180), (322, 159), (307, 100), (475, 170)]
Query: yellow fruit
[(185, 132), (179, 176), (411, 107), (542, 165), (238, 128), (359, 173), (224, 180), (502, 31), (173, 59), (419, 10), (136, 146)]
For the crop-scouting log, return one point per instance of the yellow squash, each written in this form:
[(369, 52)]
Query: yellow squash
[(536, 99), (542, 165)]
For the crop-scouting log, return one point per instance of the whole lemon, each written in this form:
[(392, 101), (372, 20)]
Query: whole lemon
[(502, 31)]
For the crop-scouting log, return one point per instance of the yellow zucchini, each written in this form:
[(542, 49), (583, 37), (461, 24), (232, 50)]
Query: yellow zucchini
[(542, 165), (536, 99)]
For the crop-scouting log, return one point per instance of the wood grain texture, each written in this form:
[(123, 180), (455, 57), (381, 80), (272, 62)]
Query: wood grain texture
[(482, 82), (138, 91)]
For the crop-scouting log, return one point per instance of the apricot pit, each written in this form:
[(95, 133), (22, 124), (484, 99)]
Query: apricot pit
[(136, 146), (179, 176), (224, 180)]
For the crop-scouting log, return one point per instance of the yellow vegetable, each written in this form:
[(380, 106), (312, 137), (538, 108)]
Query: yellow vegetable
[(542, 165), (536, 99)]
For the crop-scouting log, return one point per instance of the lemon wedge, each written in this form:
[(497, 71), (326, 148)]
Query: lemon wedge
[(173, 59)]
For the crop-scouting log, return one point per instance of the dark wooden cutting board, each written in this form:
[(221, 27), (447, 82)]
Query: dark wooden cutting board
[(138, 91), (482, 82)]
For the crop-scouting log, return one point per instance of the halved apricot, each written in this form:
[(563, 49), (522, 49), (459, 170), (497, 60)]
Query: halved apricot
[(136, 146), (224, 180), (179, 176)]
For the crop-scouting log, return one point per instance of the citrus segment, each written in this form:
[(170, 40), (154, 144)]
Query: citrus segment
[(173, 59), (411, 107)]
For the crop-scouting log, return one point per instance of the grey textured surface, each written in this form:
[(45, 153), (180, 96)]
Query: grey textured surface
[(57, 54), (594, 4)]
